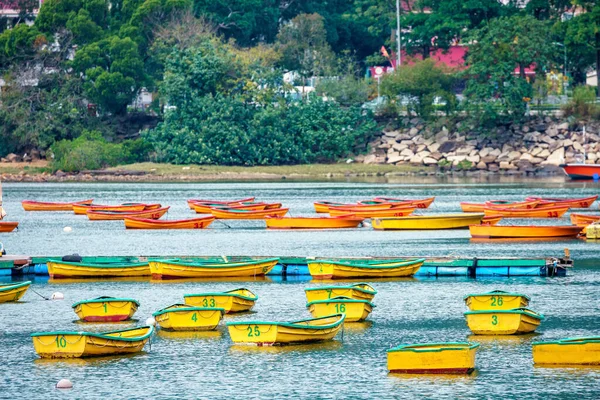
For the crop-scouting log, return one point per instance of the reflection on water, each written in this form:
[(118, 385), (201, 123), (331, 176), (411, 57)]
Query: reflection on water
[(330, 345), (189, 335), (224, 279)]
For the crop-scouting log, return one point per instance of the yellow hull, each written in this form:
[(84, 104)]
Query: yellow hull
[(270, 333), (496, 301), (439, 221), (503, 322), (85, 344), (234, 301), (578, 351), (106, 311), (327, 270), (13, 292), (175, 270), (76, 270), (360, 291), (355, 310), (435, 358), (181, 317)]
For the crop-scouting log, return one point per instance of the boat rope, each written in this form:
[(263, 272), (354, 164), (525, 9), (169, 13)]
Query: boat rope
[(42, 296), (343, 329), (111, 303), (79, 337), (504, 297), (220, 221)]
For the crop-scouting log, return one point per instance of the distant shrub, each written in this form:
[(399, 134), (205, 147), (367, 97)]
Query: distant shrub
[(583, 104)]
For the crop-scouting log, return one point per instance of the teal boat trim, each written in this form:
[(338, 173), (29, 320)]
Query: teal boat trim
[(297, 324), (340, 299), (451, 346), (107, 265), (102, 335), (524, 311), (371, 264), (186, 307), (498, 293), (11, 286), (351, 287), (106, 299), (228, 293), (212, 264), (571, 341)]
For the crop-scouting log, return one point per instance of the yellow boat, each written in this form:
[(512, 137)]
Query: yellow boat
[(503, 322), (66, 269), (358, 291), (13, 291), (263, 333), (433, 358), (355, 310), (432, 221), (326, 269), (571, 351), (66, 344), (232, 301), (496, 300), (106, 309), (182, 317), (175, 269)]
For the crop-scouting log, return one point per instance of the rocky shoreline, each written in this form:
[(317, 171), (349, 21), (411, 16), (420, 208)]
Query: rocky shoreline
[(536, 147)]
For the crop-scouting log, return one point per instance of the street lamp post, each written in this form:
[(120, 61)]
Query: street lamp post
[(399, 44)]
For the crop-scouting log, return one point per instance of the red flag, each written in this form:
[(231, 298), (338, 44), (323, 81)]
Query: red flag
[(384, 52)]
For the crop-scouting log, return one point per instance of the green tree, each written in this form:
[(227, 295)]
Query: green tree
[(418, 85), (497, 84)]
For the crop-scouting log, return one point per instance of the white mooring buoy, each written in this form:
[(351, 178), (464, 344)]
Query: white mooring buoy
[(151, 321), (64, 384), (57, 296), (67, 229)]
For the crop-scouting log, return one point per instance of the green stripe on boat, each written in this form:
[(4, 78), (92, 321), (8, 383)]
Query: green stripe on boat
[(101, 265), (340, 299), (296, 324), (105, 299), (186, 308), (416, 347), (356, 286), (497, 293), (524, 311), (572, 341), (103, 335), (11, 286), (228, 293)]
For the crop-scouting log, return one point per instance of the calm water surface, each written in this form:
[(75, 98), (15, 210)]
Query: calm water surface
[(208, 366)]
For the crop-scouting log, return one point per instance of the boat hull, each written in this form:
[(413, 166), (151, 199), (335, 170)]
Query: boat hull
[(13, 292), (359, 291), (85, 344), (193, 223), (496, 301), (355, 310), (583, 202), (420, 203), (338, 270), (175, 270), (64, 269), (110, 310), (271, 333), (389, 212), (29, 205), (582, 171), (241, 300), (578, 351), (116, 215), (313, 223), (550, 212), (503, 322), (584, 219), (442, 358), (233, 214), (192, 202), (442, 221), (81, 209), (186, 318), (495, 231), (6, 226)]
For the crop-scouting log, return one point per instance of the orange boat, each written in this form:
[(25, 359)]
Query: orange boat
[(491, 219), (81, 209), (226, 202), (534, 231), (553, 212), (400, 211), (206, 208), (584, 219), (193, 223), (478, 207), (228, 213), (583, 202), (421, 203), (323, 206), (313, 222), (6, 226), (30, 205), (472, 207), (119, 215)]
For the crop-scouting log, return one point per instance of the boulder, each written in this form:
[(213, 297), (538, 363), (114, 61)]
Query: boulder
[(399, 146), (563, 127), (413, 132), (567, 142), (435, 155), (423, 154), (536, 160), (416, 159), (370, 159), (525, 156), (547, 139), (556, 158), (536, 151), (489, 159), (396, 158), (485, 151), (391, 134), (506, 165), (433, 147), (513, 155), (13, 158), (578, 147), (420, 148), (592, 156), (393, 154), (481, 165), (447, 147), (429, 161), (474, 159), (465, 150), (493, 167), (544, 154), (495, 152)]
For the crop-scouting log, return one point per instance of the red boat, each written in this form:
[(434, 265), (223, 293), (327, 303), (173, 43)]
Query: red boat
[(582, 171)]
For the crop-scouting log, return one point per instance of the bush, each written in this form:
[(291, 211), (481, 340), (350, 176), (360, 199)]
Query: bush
[(90, 151), (583, 104)]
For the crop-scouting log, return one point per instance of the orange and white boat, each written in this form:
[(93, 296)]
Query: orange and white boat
[(398, 211), (551, 212), (120, 215), (313, 222), (224, 202), (419, 203), (31, 205), (533, 231), (193, 223), (583, 202), (81, 209), (230, 213), (584, 219), (8, 226)]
